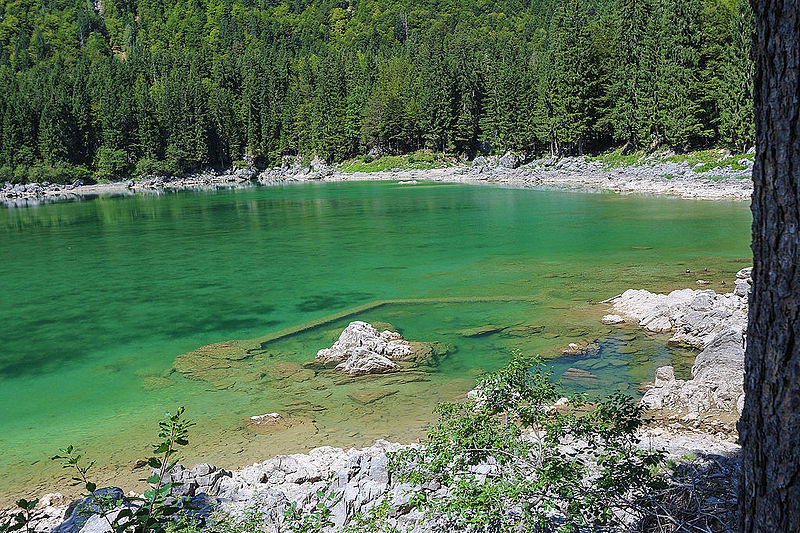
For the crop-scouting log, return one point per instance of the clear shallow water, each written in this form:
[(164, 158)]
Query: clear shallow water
[(98, 298)]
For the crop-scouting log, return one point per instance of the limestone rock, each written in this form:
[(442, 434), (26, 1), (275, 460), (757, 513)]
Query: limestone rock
[(510, 160), (717, 379), (695, 316), (365, 361), (269, 419), (612, 319), (362, 349)]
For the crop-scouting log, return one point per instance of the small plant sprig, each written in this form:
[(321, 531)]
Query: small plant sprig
[(298, 520), (19, 519), (152, 513)]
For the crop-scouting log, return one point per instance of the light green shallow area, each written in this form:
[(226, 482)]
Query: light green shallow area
[(98, 298)]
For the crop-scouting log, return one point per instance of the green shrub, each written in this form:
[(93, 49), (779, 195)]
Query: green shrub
[(549, 469), (6, 174)]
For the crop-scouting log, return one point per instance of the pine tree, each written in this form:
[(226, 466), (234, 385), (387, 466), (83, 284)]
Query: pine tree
[(436, 99), (679, 83), (574, 73), (631, 90), (736, 127)]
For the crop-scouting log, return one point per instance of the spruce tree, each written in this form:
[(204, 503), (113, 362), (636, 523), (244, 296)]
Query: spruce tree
[(574, 73), (736, 127), (679, 83), (631, 89)]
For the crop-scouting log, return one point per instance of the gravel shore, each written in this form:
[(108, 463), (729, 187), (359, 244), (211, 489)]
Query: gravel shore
[(572, 174)]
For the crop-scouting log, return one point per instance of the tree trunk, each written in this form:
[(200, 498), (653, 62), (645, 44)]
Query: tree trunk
[(769, 495)]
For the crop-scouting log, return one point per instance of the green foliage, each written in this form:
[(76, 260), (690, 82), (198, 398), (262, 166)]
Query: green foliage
[(20, 519), (514, 463), (155, 512), (112, 165), (250, 520), (297, 520), (151, 167), (193, 84), (415, 161), (737, 125), (376, 520)]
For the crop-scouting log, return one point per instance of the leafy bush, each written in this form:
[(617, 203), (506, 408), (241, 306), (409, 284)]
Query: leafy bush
[(515, 463)]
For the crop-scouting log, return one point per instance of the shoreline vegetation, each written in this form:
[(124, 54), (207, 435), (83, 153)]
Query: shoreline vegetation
[(710, 174)]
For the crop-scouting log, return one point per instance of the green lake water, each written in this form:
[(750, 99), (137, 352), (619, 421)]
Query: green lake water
[(98, 298)]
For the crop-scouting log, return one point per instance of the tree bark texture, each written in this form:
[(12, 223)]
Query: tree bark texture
[(769, 494)]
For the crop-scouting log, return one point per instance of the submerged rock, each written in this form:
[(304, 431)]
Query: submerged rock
[(580, 376), (480, 331), (370, 395), (271, 422), (213, 363), (612, 319)]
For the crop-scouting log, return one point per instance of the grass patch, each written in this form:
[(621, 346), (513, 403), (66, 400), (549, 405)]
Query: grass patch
[(699, 161), (616, 159), (708, 160), (420, 160)]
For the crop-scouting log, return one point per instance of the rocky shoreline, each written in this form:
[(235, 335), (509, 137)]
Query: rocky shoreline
[(568, 173), (711, 322), (359, 479)]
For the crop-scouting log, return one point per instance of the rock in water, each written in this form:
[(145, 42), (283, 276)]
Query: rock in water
[(362, 349), (480, 331), (364, 361), (695, 316)]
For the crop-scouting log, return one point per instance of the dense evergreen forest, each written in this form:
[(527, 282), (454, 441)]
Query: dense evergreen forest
[(105, 88)]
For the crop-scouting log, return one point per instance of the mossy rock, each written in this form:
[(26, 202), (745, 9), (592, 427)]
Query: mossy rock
[(401, 378), (383, 326), (209, 360), (430, 353), (523, 331), (625, 349), (289, 371)]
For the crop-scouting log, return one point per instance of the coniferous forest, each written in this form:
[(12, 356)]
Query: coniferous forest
[(108, 88)]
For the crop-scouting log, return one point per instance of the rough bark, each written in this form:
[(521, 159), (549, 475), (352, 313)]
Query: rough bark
[(770, 424)]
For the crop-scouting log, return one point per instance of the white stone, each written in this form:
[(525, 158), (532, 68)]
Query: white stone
[(612, 319)]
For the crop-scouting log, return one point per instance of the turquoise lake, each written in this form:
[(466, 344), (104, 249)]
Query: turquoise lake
[(99, 297)]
